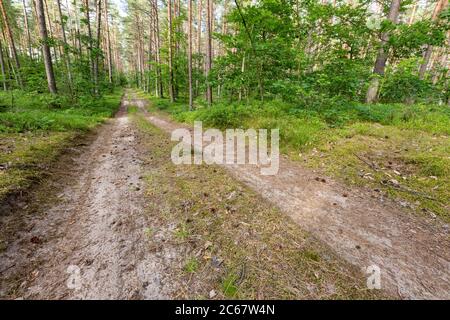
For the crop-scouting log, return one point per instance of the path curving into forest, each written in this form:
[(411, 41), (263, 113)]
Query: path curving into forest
[(412, 252)]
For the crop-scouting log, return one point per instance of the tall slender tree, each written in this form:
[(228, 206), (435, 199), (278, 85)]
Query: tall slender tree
[(27, 28), (191, 98), (45, 47), (66, 46), (12, 44), (440, 5), (108, 44), (2, 65), (97, 45), (209, 97), (90, 41), (199, 43), (169, 26), (382, 57), (160, 91)]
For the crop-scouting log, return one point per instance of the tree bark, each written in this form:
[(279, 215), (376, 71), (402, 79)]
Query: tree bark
[(12, 44), (50, 29), (380, 63), (97, 45), (78, 28), (160, 88), (199, 43), (66, 46), (108, 45), (27, 29), (90, 40), (426, 58), (169, 17), (413, 14), (191, 99), (2, 64), (208, 52), (45, 47)]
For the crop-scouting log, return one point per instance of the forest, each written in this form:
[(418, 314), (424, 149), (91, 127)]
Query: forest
[(298, 52), (359, 89)]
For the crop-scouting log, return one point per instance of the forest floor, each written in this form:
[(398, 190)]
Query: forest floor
[(361, 226), (119, 220)]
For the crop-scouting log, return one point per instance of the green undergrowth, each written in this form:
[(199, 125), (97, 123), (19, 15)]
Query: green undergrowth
[(399, 150), (236, 244), (29, 112), (36, 128)]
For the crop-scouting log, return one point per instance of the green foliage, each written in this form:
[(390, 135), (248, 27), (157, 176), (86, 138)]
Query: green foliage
[(45, 112), (402, 83), (191, 265), (229, 285)]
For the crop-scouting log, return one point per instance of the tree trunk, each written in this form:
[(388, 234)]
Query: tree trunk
[(66, 46), (191, 100), (158, 51), (413, 14), (90, 40), (12, 44), (380, 63), (150, 52), (426, 58), (199, 43), (49, 30), (78, 28), (97, 44), (45, 47), (9, 68), (27, 29), (169, 17), (2, 64), (108, 45), (260, 65), (208, 52)]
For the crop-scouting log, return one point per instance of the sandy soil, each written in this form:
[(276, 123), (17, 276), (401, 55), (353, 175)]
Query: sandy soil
[(412, 252), (92, 244)]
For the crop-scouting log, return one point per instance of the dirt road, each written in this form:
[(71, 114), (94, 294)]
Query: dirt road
[(413, 253), (97, 230)]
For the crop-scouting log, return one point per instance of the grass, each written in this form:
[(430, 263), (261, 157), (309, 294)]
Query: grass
[(182, 232), (32, 112), (235, 243), (229, 285), (191, 265), (36, 128), (401, 150)]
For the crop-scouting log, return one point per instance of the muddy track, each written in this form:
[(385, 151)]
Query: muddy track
[(412, 252), (91, 245)]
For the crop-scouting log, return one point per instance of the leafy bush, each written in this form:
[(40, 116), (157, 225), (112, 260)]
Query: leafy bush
[(34, 112), (403, 84)]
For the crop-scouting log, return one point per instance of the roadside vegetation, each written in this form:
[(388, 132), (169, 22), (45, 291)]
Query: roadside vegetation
[(359, 90), (56, 83), (235, 244), (398, 150), (36, 128)]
